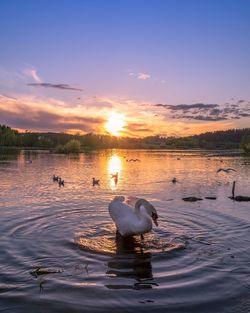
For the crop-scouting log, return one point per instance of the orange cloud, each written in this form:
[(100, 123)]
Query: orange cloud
[(38, 115), (92, 113)]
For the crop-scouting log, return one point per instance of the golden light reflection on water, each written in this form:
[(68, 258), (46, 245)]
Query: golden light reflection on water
[(114, 168), (103, 244), (110, 244)]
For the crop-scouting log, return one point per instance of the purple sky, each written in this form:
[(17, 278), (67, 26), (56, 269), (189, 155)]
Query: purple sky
[(167, 67)]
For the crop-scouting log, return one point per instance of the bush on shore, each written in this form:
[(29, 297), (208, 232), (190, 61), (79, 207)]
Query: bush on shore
[(245, 143), (72, 146)]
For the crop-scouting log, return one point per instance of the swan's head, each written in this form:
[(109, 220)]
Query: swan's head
[(149, 208), (154, 216)]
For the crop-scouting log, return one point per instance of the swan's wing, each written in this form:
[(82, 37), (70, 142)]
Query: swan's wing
[(119, 210), (126, 220)]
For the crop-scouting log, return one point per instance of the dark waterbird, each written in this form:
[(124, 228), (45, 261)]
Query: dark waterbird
[(133, 160), (114, 175), (55, 178), (226, 170), (60, 182), (95, 181)]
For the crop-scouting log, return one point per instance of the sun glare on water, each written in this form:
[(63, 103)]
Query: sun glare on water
[(115, 124), (114, 167)]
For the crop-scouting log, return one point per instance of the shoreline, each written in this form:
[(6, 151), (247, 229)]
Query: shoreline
[(218, 152)]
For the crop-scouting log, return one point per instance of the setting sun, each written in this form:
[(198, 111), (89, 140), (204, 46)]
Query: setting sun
[(115, 123)]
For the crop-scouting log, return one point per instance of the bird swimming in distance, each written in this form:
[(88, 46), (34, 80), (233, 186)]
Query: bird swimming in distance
[(174, 180), (114, 175), (95, 181), (55, 178), (226, 170), (133, 160), (60, 182), (132, 220)]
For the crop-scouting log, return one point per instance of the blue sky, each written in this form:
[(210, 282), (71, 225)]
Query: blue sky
[(128, 56)]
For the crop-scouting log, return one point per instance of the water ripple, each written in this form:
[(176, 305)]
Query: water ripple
[(197, 260)]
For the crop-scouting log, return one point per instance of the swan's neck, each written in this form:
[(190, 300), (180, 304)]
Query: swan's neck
[(141, 208), (144, 223)]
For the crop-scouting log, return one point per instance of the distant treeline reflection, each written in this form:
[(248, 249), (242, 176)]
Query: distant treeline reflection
[(65, 143)]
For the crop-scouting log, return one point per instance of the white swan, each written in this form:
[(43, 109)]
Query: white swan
[(132, 220)]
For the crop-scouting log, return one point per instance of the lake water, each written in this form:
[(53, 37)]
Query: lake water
[(60, 253)]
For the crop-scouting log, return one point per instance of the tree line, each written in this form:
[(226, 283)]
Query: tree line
[(62, 142)]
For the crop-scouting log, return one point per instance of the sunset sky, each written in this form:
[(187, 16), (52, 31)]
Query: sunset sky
[(131, 67)]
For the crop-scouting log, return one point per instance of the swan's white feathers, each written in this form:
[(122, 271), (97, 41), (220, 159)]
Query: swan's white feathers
[(118, 209), (128, 219)]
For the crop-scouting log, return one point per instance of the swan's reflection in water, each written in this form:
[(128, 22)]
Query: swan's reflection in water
[(130, 262)]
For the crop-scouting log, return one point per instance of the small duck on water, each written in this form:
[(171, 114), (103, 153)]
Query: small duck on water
[(55, 178), (114, 175), (60, 182), (95, 181)]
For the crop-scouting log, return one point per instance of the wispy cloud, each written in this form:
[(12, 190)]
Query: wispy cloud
[(207, 112), (32, 73), (7, 96), (187, 107), (57, 86), (143, 76), (139, 127)]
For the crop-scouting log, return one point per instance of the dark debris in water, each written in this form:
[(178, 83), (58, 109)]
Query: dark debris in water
[(240, 198), (211, 198), (192, 199), (44, 271), (146, 301)]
